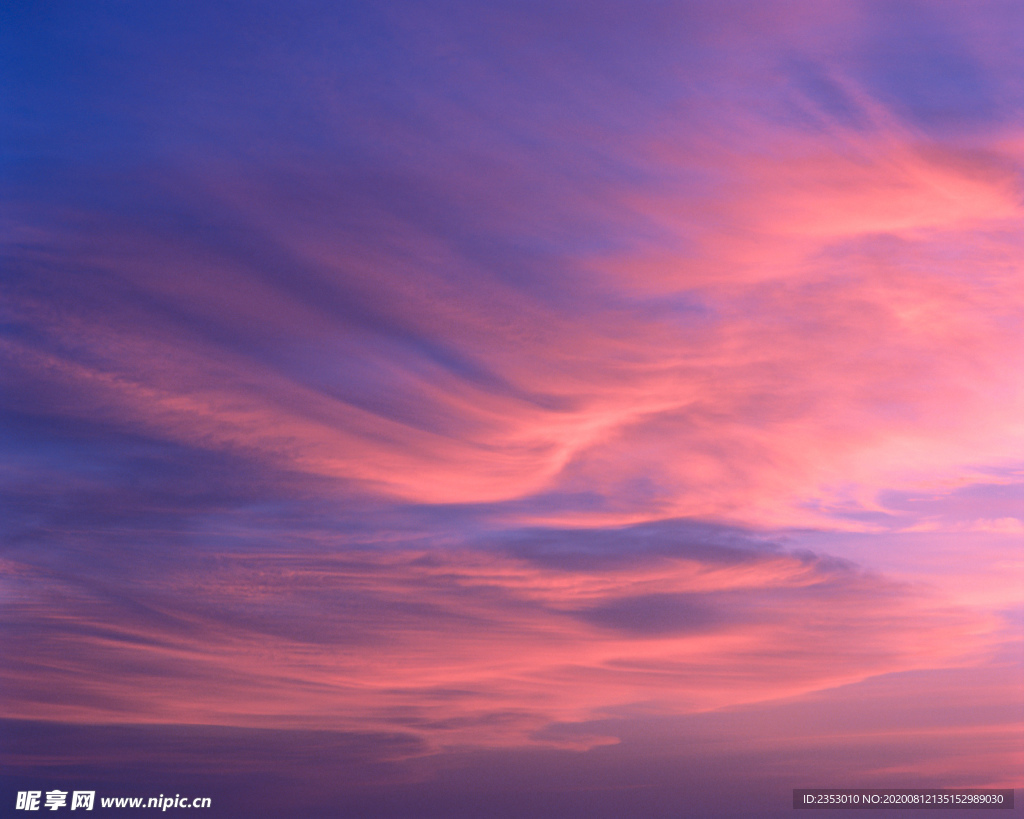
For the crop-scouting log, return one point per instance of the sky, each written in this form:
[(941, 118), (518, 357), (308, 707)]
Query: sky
[(474, 408)]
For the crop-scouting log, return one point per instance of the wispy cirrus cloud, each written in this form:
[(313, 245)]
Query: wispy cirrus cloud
[(464, 644), (517, 378)]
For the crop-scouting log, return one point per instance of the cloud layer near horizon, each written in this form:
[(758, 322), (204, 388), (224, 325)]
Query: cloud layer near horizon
[(462, 644)]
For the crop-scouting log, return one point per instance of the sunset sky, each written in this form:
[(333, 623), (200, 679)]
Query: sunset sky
[(511, 409)]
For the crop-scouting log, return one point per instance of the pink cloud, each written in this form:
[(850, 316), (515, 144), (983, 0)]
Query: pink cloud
[(444, 381), (473, 647), (832, 339)]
